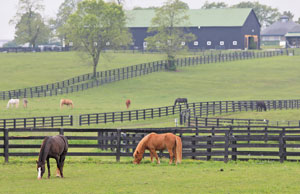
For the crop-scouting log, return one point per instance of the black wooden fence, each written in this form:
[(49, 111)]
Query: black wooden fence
[(205, 143), (34, 122), (198, 109), (87, 81)]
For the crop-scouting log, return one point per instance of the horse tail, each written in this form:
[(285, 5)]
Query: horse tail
[(178, 149), (7, 106), (175, 103)]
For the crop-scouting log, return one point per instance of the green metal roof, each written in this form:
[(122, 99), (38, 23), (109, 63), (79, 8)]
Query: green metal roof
[(292, 34), (197, 17)]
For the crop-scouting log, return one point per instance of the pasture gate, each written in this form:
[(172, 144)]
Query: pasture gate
[(204, 143)]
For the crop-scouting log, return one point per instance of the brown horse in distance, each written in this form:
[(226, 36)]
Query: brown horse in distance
[(153, 142), (128, 102), (52, 147), (66, 102)]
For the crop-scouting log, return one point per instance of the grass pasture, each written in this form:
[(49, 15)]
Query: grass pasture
[(96, 176), (269, 78)]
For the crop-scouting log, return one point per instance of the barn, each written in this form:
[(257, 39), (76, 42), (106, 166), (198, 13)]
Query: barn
[(214, 28)]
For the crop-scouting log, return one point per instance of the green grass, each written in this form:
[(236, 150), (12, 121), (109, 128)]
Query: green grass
[(20, 70), (96, 176), (270, 78)]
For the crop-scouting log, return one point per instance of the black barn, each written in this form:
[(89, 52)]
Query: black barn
[(214, 28)]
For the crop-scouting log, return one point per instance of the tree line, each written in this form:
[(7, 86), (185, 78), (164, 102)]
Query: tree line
[(90, 26)]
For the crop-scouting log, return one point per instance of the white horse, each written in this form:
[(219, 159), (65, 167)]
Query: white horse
[(13, 102)]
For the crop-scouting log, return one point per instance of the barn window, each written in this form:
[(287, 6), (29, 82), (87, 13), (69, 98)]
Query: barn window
[(221, 43), (145, 44), (208, 43), (196, 43), (182, 43), (234, 43)]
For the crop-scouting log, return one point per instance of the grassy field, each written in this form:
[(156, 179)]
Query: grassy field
[(20, 70), (270, 78), (96, 176)]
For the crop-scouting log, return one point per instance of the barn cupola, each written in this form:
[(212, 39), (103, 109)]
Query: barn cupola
[(284, 19)]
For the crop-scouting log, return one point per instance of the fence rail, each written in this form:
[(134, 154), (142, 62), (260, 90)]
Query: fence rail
[(198, 109), (205, 143), (87, 81), (34, 122)]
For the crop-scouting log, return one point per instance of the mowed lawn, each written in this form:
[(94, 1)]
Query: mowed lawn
[(270, 78), (96, 176)]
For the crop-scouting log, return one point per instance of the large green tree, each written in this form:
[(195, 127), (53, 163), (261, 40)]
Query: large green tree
[(265, 14), (214, 5), (96, 25), (29, 24), (67, 8), (168, 33)]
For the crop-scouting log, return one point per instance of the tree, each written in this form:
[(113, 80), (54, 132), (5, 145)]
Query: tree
[(214, 5), (289, 14), (29, 24), (298, 21), (168, 35), (265, 14), (95, 25), (67, 8)]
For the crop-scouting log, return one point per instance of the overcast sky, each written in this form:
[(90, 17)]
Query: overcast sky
[(8, 9)]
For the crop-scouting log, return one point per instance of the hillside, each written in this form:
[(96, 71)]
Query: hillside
[(269, 78)]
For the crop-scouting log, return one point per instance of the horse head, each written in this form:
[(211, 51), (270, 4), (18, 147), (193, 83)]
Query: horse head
[(40, 169), (137, 157)]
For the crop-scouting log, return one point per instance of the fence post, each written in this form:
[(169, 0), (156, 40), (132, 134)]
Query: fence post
[(226, 147), (118, 150), (282, 149), (6, 144), (208, 149), (100, 141), (61, 131), (193, 147)]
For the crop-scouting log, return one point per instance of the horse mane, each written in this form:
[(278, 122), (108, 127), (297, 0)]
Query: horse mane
[(141, 143), (42, 151)]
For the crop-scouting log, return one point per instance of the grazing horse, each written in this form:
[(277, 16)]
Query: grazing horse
[(260, 106), (13, 102), (128, 102), (25, 102), (180, 100), (52, 147), (66, 102), (153, 142)]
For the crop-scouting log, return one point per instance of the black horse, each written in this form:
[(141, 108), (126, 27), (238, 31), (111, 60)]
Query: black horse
[(52, 147), (180, 101), (260, 106)]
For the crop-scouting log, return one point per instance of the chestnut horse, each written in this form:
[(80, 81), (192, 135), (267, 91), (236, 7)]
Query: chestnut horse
[(153, 142), (66, 102), (128, 102), (52, 147)]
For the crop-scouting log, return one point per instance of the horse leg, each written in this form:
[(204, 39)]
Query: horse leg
[(171, 155), (61, 163), (48, 166), (58, 168), (151, 156), (155, 155)]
